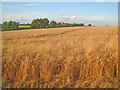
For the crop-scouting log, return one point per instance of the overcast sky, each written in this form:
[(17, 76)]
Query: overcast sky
[(96, 13)]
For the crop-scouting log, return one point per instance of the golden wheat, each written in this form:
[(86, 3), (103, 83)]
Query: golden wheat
[(61, 57)]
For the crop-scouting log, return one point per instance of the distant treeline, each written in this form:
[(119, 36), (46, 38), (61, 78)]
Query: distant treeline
[(11, 25), (37, 23)]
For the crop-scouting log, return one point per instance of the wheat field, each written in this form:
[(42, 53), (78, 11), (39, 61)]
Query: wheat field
[(70, 57)]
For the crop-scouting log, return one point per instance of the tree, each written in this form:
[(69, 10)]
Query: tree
[(67, 25), (14, 25), (81, 24), (59, 23), (53, 24), (40, 23), (9, 25), (37, 23), (74, 24), (4, 26), (45, 22), (89, 25), (34, 23), (28, 24)]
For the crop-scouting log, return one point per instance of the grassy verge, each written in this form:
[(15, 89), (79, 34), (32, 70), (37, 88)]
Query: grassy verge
[(24, 26)]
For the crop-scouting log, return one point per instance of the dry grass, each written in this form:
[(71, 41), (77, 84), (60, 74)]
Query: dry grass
[(61, 57)]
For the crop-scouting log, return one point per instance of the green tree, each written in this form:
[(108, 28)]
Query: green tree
[(59, 23), (81, 24), (4, 26), (53, 24), (14, 25), (89, 25), (37, 23), (9, 25), (41, 23), (28, 24), (34, 24), (74, 24), (45, 22)]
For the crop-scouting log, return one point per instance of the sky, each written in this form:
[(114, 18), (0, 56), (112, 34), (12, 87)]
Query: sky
[(97, 13), (60, 0)]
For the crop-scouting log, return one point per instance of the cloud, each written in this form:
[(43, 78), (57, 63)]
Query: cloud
[(100, 0), (59, 0), (17, 19), (67, 17), (22, 18), (86, 19), (30, 4), (94, 20), (73, 17), (7, 6)]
